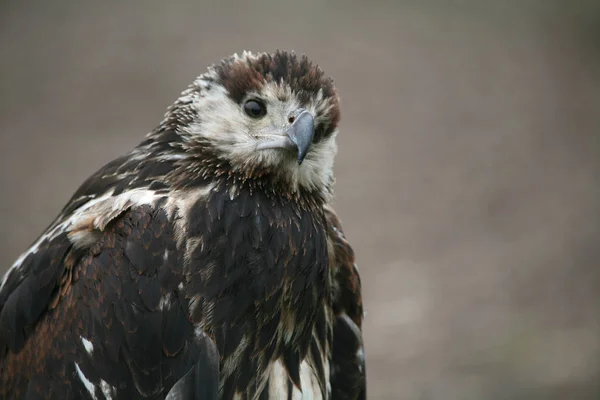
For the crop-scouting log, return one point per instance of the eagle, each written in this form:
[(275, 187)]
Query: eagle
[(205, 263)]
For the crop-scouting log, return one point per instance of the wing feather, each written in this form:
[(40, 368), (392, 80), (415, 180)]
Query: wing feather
[(120, 327), (348, 375)]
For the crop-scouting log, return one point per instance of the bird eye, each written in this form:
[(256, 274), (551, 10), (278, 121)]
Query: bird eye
[(255, 109)]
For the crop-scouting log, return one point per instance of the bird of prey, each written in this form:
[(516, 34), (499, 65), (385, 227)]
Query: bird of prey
[(205, 263)]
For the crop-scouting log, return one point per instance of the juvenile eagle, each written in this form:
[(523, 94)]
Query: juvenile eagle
[(205, 263)]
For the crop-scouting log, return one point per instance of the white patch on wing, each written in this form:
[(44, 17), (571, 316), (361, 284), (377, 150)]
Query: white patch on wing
[(327, 370), (89, 346), (309, 382), (89, 386), (360, 355), (5, 277), (165, 302), (90, 219), (199, 332), (172, 157), (279, 378), (106, 389), (85, 223)]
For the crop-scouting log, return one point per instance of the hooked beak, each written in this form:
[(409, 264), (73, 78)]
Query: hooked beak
[(298, 136), (301, 133)]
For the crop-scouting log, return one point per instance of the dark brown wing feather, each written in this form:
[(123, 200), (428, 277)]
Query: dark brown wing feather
[(347, 361), (113, 299)]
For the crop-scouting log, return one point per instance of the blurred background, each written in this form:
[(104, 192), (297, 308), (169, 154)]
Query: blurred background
[(468, 177)]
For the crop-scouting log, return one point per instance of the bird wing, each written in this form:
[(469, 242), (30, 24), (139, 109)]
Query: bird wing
[(102, 313), (348, 379)]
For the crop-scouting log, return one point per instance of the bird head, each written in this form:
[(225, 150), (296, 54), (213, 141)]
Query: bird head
[(268, 119)]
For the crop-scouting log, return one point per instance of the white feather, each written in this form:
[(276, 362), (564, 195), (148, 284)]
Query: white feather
[(89, 346), (89, 386)]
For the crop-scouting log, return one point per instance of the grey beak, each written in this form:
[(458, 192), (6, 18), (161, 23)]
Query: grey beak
[(301, 132)]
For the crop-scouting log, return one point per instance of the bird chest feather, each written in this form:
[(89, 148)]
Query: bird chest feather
[(256, 277)]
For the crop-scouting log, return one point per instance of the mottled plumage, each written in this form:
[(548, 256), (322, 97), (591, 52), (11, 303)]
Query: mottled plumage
[(205, 263)]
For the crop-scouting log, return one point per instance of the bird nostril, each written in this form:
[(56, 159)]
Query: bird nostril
[(291, 119)]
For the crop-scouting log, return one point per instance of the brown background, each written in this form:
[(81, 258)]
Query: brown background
[(467, 179)]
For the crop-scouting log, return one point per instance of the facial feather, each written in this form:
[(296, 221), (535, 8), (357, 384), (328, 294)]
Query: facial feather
[(219, 138)]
